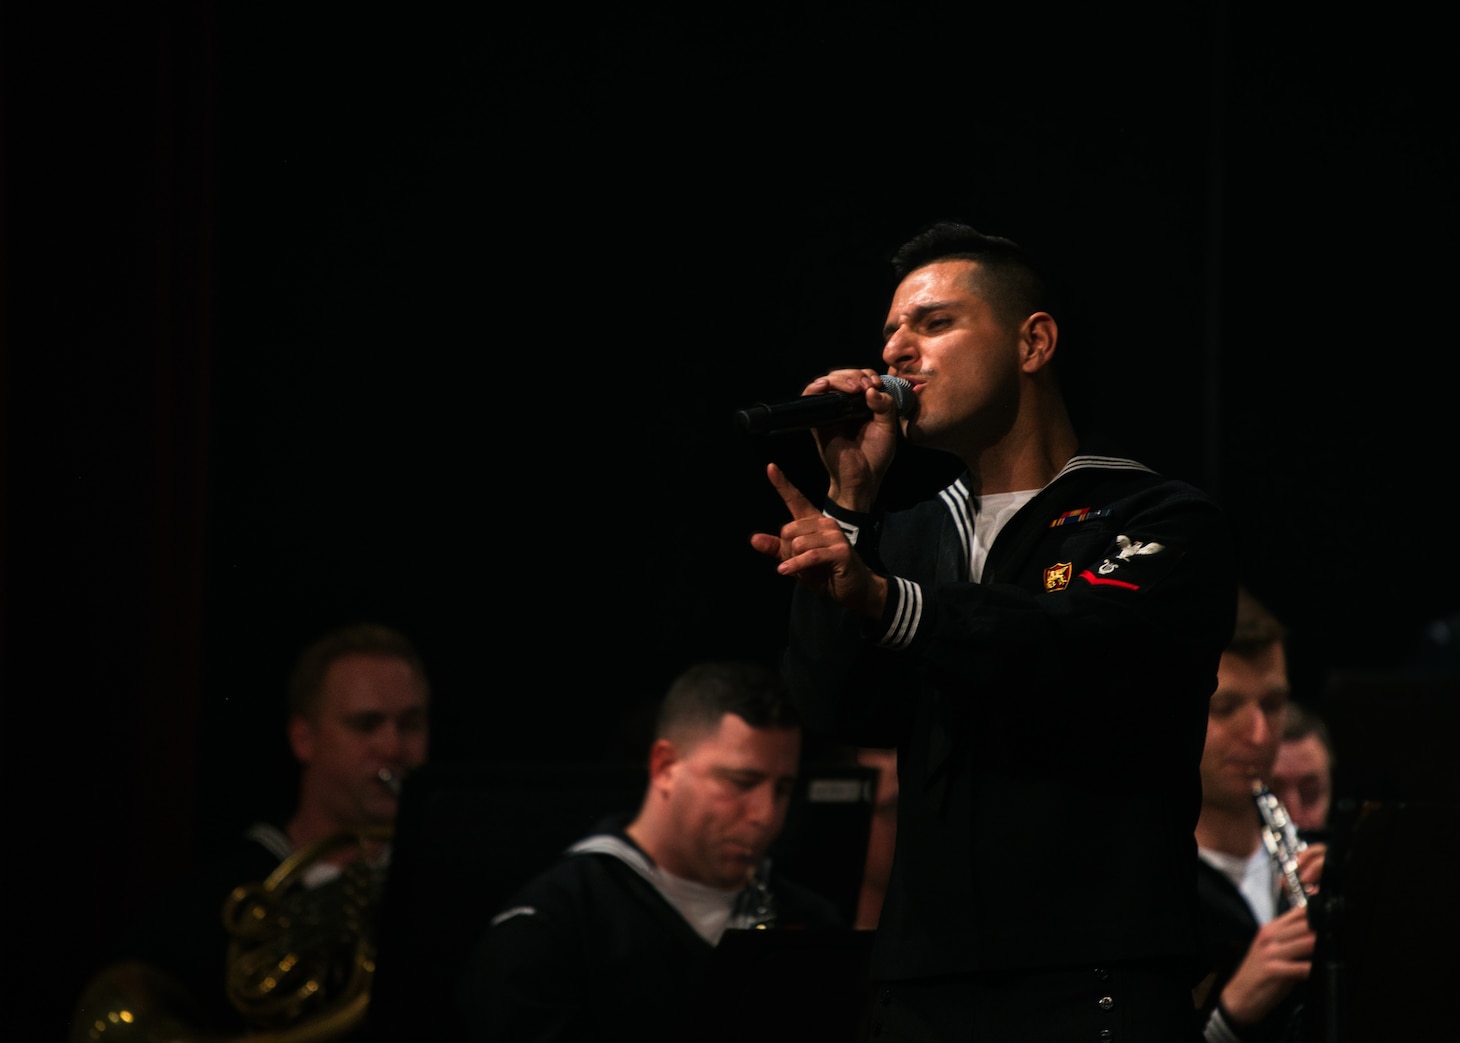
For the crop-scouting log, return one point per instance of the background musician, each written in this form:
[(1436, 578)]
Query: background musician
[(358, 722), (1302, 775), (616, 939), (1259, 950)]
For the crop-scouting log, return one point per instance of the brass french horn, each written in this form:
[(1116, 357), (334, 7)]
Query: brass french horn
[(300, 960)]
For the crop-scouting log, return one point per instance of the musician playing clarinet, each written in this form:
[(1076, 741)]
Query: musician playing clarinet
[(1255, 926)]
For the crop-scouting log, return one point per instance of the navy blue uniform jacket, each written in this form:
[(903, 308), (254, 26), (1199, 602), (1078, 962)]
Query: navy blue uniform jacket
[(1049, 719)]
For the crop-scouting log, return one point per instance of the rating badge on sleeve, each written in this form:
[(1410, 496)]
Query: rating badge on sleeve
[(1057, 577)]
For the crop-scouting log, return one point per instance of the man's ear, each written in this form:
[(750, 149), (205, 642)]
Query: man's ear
[(1037, 339), (663, 756), (301, 739)]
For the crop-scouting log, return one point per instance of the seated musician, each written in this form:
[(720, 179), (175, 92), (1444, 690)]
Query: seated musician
[(615, 939), (1257, 938), (357, 724)]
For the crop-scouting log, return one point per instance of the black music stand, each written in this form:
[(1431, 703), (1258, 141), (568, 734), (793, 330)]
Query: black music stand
[(1387, 934), (788, 986)]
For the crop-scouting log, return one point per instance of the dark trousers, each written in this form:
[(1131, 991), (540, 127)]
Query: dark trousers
[(1119, 1003)]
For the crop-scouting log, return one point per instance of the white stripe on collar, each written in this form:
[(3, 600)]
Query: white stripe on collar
[(271, 837), (608, 844), (1104, 463)]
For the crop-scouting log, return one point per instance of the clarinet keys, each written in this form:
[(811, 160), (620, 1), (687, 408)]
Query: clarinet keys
[(1281, 838)]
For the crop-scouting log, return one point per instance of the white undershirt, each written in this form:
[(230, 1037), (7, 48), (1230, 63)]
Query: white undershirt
[(707, 909), (990, 513)]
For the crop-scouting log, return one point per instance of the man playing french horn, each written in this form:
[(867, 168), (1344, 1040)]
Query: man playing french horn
[(1256, 930), (275, 932)]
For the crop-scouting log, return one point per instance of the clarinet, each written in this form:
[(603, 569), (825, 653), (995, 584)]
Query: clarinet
[(756, 907), (1281, 838)]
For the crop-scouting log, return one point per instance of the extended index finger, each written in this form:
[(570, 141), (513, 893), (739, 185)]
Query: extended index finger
[(799, 506)]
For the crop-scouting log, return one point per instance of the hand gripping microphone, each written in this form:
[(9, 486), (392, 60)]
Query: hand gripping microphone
[(833, 407)]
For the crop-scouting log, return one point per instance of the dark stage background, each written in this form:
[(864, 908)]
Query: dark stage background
[(439, 318)]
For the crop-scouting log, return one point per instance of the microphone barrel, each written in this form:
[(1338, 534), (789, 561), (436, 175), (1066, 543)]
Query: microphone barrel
[(808, 411)]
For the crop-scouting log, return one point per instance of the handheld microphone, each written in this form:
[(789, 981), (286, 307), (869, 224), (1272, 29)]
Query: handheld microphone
[(833, 407)]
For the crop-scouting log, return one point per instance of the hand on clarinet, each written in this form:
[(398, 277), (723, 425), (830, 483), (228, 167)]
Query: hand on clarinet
[(1280, 956)]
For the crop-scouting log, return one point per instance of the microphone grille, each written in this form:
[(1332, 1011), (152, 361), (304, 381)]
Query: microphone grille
[(901, 392)]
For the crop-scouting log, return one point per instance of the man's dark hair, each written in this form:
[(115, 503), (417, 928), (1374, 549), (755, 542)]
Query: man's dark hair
[(1011, 280), (1257, 629), (1299, 722), (703, 694), (306, 682)]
